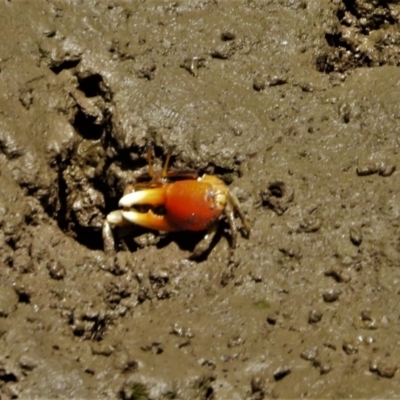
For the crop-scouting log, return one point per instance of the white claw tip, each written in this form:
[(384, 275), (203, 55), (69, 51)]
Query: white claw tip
[(131, 199)]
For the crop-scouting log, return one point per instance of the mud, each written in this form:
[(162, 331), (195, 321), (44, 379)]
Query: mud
[(295, 105)]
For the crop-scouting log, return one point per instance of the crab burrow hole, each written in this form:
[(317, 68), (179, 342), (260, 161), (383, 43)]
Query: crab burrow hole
[(82, 175)]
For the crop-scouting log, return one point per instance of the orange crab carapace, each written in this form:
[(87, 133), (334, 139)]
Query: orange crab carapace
[(176, 200)]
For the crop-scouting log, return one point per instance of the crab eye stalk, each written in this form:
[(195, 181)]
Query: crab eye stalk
[(150, 161), (164, 172)]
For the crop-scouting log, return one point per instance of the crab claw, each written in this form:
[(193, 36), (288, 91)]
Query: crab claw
[(153, 197), (115, 218), (149, 220)]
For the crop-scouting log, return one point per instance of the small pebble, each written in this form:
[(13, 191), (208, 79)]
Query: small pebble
[(28, 363), (235, 341), (258, 84), (227, 36), (261, 82), (226, 358), (310, 224), (256, 384), (102, 349), (310, 355), (366, 315), (331, 295), (223, 51), (355, 236), (177, 330), (371, 325), (345, 112), (366, 170), (281, 373), (324, 368), (56, 270), (338, 275), (384, 368), (275, 80), (193, 64), (183, 343), (314, 316), (349, 347), (386, 170), (368, 340), (307, 87), (256, 276), (208, 363)]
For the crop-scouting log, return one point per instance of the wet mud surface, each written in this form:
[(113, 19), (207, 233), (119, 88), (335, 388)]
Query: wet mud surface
[(295, 104)]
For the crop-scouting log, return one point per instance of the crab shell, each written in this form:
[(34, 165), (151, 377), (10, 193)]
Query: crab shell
[(192, 205)]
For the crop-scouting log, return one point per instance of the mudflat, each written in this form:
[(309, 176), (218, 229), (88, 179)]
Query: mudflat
[(295, 104)]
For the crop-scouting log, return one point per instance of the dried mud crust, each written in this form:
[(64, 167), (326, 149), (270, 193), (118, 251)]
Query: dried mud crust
[(365, 34), (309, 308)]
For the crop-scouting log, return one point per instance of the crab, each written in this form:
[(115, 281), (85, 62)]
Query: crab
[(172, 200)]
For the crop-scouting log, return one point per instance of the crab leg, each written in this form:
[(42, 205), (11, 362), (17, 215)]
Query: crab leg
[(149, 220), (205, 243), (236, 206), (152, 197), (230, 215), (113, 219)]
